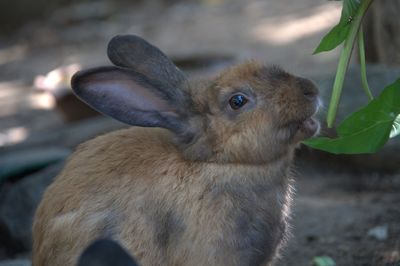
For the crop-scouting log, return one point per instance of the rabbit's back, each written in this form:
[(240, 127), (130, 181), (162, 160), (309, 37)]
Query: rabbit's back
[(106, 183)]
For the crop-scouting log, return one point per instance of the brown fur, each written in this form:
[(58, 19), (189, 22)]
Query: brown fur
[(220, 199)]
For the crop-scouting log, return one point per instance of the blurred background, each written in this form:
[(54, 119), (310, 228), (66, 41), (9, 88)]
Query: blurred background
[(346, 207)]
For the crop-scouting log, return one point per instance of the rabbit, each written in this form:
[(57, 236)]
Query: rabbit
[(203, 176), (105, 252)]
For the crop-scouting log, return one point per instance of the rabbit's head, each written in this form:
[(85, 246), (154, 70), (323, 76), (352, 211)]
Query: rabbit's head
[(250, 113)]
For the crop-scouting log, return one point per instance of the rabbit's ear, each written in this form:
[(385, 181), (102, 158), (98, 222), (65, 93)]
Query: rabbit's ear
[(131, 97), (105, 252), (133, 52)]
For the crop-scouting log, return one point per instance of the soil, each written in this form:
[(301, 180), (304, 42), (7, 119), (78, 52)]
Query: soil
[(334, 208)]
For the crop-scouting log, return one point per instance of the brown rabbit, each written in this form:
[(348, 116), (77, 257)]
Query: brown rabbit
[(203, 177)]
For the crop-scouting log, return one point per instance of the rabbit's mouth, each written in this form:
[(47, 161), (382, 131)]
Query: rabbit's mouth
[(305, 129)]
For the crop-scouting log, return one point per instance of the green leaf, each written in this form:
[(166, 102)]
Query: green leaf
[(323, 261), (350, 8), (334, 37), (368, 129), (340, 32)]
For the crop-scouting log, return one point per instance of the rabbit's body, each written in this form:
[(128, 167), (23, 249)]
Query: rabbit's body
[(180, 213), (210, 187)]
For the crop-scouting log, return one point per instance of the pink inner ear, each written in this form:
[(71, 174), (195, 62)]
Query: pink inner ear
[(129, 97), (119, 89), (129, 93)]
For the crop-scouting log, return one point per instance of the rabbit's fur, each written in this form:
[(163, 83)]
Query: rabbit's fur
[(198, 183)]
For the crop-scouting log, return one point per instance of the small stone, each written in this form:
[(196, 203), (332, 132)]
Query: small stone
[(379, 232), (323, 261)]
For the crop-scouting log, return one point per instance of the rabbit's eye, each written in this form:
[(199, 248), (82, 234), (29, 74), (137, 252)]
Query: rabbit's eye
[(237, 101)]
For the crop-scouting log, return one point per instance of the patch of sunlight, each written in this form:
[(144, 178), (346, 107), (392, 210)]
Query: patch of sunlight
[(57, 80), (16, 96), (13, 136), (13, 53), (12, 95), (51, 86), (290, 29), (42, 101), (7, 89)]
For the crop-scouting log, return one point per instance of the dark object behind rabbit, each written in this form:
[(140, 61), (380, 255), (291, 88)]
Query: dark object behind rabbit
[(203, 177), (105, 252)]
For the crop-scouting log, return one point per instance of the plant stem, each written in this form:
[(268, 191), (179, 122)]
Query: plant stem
[(344, 62), (361, 51)]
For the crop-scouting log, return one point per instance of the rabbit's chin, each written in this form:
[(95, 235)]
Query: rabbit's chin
[(306, 129)]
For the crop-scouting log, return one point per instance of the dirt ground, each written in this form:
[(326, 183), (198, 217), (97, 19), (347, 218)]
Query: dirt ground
[(335, 209)]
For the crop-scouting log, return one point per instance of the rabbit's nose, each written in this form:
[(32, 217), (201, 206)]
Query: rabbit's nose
[(308, 88)]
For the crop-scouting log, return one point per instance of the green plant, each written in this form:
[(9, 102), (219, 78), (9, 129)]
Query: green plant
[(368, 129)]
